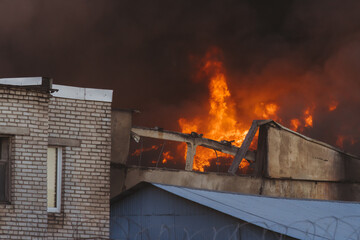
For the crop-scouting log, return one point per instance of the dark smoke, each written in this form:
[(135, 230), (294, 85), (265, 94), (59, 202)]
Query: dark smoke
[(148, 52)]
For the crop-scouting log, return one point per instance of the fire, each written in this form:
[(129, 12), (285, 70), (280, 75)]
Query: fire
[(308, 118), (138, 151), (228, 112), (166, 157), (298, 125), (266, 111), (341, 139), (295, 124), (333, 105), (221, 122)]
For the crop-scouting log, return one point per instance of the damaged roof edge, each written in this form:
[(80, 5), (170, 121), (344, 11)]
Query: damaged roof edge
[(272, 122), (94, 94)]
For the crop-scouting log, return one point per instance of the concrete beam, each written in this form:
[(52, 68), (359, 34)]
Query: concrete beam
[(243, 151), (182, 137), (192, 142), (244, 147), (15, 130), (68, 142), (166, 135), (190, 154)]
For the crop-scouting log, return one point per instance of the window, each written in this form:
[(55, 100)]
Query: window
[(4, 169), (54, 165)]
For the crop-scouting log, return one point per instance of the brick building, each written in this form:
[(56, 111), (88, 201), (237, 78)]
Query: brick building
[(55, 160)]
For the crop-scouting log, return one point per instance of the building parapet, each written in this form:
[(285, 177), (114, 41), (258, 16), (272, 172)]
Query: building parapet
[(62, 91)]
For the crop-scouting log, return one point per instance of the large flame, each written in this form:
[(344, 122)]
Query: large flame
[(228, 117), (221, 122)]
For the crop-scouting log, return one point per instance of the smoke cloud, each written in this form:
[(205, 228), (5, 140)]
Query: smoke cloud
[(298, 54)]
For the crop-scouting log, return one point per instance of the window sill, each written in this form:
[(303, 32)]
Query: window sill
[(53, 210)]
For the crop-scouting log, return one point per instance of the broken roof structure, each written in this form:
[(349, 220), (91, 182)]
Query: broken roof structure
[(285, 164)]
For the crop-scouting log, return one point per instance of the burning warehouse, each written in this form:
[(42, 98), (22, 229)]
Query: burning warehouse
[(284, 163), (272, 175), (204, 172), (256, 102), (290, 167), (270, 158), (190, 184)]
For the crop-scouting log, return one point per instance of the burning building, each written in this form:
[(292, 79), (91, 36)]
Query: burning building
[(284, 163), (220, 153), (216, 139), (268, 191), (62, 140)]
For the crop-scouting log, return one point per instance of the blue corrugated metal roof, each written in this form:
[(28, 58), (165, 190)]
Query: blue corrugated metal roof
[(293, 217)]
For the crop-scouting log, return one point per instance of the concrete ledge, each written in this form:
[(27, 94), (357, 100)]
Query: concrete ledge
[(14, 130), (93, 94), (26, 81), (39, 83), (288, 188), (68, 142)]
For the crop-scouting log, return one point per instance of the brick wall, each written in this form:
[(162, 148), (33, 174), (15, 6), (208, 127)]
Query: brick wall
[(26, 216), (86, 168)]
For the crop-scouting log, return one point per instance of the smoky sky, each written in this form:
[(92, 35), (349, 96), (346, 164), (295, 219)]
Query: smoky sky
[(148, 52)]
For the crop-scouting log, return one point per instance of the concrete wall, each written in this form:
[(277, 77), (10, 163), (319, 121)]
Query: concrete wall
[(292, 156), (121, 122)]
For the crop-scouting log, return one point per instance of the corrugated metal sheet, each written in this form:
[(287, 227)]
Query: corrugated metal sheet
[(154, 213), (303, 219)]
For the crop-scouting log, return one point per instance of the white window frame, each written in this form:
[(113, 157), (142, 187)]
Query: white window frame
[(57, 209)]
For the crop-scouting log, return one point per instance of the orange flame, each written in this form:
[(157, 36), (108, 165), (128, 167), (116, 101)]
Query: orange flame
[(308, 118), (228, 113), (266, 111), (341, 139), (295, 124), (221, 122), (138, 151), (166, 157), (298, 124), (333, 105)]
